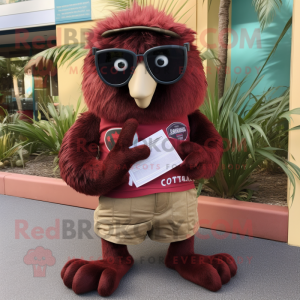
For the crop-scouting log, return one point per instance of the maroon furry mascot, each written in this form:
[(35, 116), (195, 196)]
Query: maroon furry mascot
[(142, 74)]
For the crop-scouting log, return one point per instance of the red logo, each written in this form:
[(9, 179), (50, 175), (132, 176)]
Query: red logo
[(112, 135)]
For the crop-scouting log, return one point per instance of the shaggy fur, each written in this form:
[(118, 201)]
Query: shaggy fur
[(203, 154), (81, 169), (178, 99)]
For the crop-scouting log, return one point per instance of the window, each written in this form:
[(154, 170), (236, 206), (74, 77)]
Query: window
[(25, 83)]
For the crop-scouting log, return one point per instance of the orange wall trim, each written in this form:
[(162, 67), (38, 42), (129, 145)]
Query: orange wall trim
[(243, 218), (46, 189)]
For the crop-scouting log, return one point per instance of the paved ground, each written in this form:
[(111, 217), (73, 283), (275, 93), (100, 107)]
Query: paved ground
[(267, 269)]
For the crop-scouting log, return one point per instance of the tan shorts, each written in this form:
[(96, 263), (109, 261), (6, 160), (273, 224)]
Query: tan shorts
[(165, 217)]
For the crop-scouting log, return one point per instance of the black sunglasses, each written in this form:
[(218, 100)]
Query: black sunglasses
[(166, 64)]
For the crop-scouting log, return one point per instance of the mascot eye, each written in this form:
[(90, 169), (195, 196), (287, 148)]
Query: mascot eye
[(161, 61), (121, 64)]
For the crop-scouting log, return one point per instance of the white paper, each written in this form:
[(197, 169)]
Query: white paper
[(163, 158)]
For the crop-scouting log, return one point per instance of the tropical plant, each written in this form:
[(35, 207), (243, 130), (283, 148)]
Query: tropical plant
[(283, 33), (60, 55), (7, 143), (249, 136), (275, 126), (266, 10), (48, 134), (169, 6), (19, 139), (8, 119)]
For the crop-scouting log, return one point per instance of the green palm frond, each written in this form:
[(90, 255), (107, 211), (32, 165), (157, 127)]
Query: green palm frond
[(68, 54), (59, 55), (250, 136), (210, 55), (7, 142), (169, 6), (7, 119), (49, 134), (266, 10), (283, 33)]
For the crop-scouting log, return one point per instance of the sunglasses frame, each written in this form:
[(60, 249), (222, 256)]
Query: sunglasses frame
[(96, 52)]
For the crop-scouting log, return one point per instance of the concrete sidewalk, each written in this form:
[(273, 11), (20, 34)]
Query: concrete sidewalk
[(266, 269)]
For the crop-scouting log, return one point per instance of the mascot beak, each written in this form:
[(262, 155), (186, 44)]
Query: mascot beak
[(142, 86)]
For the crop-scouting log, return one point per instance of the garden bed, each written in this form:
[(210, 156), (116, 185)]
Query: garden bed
[(38, 166), (272, 187)]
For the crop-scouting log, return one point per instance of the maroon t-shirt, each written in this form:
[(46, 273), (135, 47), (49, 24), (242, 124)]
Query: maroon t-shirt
[(175, 180)]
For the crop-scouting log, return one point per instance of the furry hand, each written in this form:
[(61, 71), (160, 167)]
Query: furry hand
[(113, 170), (199, 161), (121, 157)]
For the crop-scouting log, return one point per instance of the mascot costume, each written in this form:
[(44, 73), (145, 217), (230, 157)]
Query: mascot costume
[(142, 74)]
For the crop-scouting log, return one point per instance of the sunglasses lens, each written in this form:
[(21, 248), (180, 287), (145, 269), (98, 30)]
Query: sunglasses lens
[(115, 66), (166, 64)]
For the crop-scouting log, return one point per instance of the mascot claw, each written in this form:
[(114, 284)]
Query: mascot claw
[(210, 272), (103, 275)]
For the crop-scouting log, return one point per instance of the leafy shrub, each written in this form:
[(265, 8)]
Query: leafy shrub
[(48, 134), (8, 142), (251, 136)]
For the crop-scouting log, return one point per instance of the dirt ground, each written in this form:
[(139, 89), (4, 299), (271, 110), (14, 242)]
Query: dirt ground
[(38, 166), (272, 188)]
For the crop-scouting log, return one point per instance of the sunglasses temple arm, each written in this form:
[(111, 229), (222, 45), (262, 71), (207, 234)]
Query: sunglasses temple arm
[(94, 50), (187, 46)]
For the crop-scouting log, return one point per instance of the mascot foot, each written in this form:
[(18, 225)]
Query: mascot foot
[(103, 276), (210, 272)]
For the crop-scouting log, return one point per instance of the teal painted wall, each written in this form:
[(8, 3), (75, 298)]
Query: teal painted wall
[(249, 59)]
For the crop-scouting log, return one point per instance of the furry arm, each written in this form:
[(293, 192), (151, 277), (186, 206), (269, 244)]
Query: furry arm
[(79, 166), (203, 153)]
